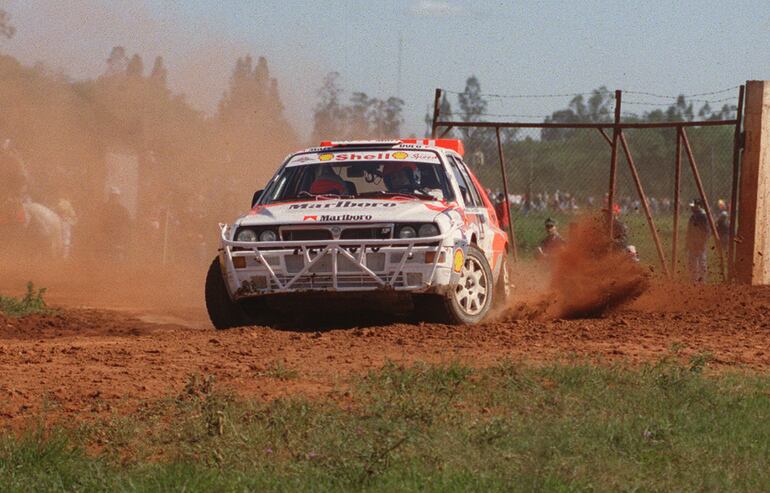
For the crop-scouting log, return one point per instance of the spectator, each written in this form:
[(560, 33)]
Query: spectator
[(552, 243), (723, 224), (503, 215), (696, 242), (68, 220), (116, 227)]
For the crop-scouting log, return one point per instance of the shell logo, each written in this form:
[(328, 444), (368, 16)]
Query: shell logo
[(400, 155), (326, 157), (459, 258)]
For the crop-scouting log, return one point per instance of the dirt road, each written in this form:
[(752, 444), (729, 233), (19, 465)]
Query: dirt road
[(83, 363)]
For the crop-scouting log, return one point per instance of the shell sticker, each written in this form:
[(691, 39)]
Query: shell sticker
[(400, 155), (458, 260), (326, 157)]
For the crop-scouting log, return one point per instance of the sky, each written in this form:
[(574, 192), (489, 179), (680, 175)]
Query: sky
[(514, 48)]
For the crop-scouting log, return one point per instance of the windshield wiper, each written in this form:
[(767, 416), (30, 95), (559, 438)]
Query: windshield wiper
[(417, 194), (325, 196)]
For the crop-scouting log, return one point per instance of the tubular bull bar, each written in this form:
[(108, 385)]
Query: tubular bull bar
[(335, 265)]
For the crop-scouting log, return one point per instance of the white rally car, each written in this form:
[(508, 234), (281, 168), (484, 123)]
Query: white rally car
[(404, 221)]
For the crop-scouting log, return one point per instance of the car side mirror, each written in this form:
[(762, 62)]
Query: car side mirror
[(256, 197)]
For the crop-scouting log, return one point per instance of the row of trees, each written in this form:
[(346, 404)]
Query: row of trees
[(361, 117)]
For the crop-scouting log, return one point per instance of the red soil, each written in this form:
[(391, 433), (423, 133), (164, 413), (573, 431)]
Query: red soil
[(83, 363)]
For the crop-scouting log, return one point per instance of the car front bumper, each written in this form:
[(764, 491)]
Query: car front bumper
[(420, 265)]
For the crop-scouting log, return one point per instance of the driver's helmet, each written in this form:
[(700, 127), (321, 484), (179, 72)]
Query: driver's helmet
[(326, 185), (399, 176)]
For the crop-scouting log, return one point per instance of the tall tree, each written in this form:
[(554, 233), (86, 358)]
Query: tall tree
[(445, 114), (7, 30), (159, 73), (135, 67), (472, 104), (472, 107), (328, 114), (117, 61)]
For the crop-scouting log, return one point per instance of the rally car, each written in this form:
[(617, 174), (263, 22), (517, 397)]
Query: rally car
[(403, 220)]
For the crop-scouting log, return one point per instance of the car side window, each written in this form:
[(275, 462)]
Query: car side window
[(475, 192), (462, 182)]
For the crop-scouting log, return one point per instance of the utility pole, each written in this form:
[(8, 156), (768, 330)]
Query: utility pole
[(400, 53)]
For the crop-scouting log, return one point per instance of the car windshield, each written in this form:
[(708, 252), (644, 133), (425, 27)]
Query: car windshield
[(426, 181)]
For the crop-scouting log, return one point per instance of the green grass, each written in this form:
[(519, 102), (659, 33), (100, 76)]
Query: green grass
[(564, 427), (30, 304)]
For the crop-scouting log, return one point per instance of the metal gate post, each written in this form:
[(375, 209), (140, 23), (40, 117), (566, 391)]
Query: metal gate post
[(506, 201), (737, 146), (645, 203), (677, 195), (436, 111), (614, 161), (702, 193)]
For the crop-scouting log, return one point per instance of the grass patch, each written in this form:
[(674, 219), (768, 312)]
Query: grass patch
[(32, 303), (565, 427), (278, 370)]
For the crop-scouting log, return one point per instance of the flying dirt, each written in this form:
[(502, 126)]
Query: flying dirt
[(588, 277)]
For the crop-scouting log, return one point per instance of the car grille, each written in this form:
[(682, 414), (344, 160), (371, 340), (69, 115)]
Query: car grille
[(305, 234), (375, 233)]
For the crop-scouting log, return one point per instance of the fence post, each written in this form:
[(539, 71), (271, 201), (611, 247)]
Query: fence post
[(645, 203), (436, 112), (737, 146), (614, 161), (752, 259), (677, 196), (506, 201)]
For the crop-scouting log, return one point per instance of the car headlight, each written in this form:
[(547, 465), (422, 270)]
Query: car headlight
[(268, 235), (428, 229), (407, 232), (246, 235)]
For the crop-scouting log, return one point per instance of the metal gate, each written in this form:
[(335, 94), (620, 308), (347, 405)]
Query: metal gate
[(614, 137)]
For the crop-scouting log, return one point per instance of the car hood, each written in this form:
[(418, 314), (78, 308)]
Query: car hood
[(344, 211)]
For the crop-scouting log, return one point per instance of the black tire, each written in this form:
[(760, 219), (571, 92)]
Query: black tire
[(223, 311), (453, 308)]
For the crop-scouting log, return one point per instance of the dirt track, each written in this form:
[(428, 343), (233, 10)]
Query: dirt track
[(80, 363)]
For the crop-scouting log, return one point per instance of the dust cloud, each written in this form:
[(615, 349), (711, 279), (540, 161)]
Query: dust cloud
[(587, 278), (111, 188)]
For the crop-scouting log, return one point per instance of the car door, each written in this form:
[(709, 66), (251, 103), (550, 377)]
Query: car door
[(474, 207)]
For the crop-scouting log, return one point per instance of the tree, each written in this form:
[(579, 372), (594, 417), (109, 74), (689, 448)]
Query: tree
[(472, 106), (363, 117), (159, 73), (7, 30), (135, 67), (471, 102), (445, 114), (328, 115), (117, 62)]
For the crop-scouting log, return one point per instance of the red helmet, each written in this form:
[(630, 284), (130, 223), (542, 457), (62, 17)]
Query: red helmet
[(327, 185)]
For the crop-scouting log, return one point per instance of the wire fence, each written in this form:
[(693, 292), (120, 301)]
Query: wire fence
[(563, 173)]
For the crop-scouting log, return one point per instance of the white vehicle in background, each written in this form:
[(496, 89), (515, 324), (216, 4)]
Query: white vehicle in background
[(401, 222)]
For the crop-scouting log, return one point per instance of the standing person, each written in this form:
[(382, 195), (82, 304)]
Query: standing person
[(503, 216), (723, 224), (696, 242), (552, 243), (116, 226), (68, 220)]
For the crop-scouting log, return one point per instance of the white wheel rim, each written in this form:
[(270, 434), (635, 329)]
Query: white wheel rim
[(472, 288)]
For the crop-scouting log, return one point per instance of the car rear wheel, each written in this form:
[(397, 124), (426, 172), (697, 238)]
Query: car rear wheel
[(223, 311)]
